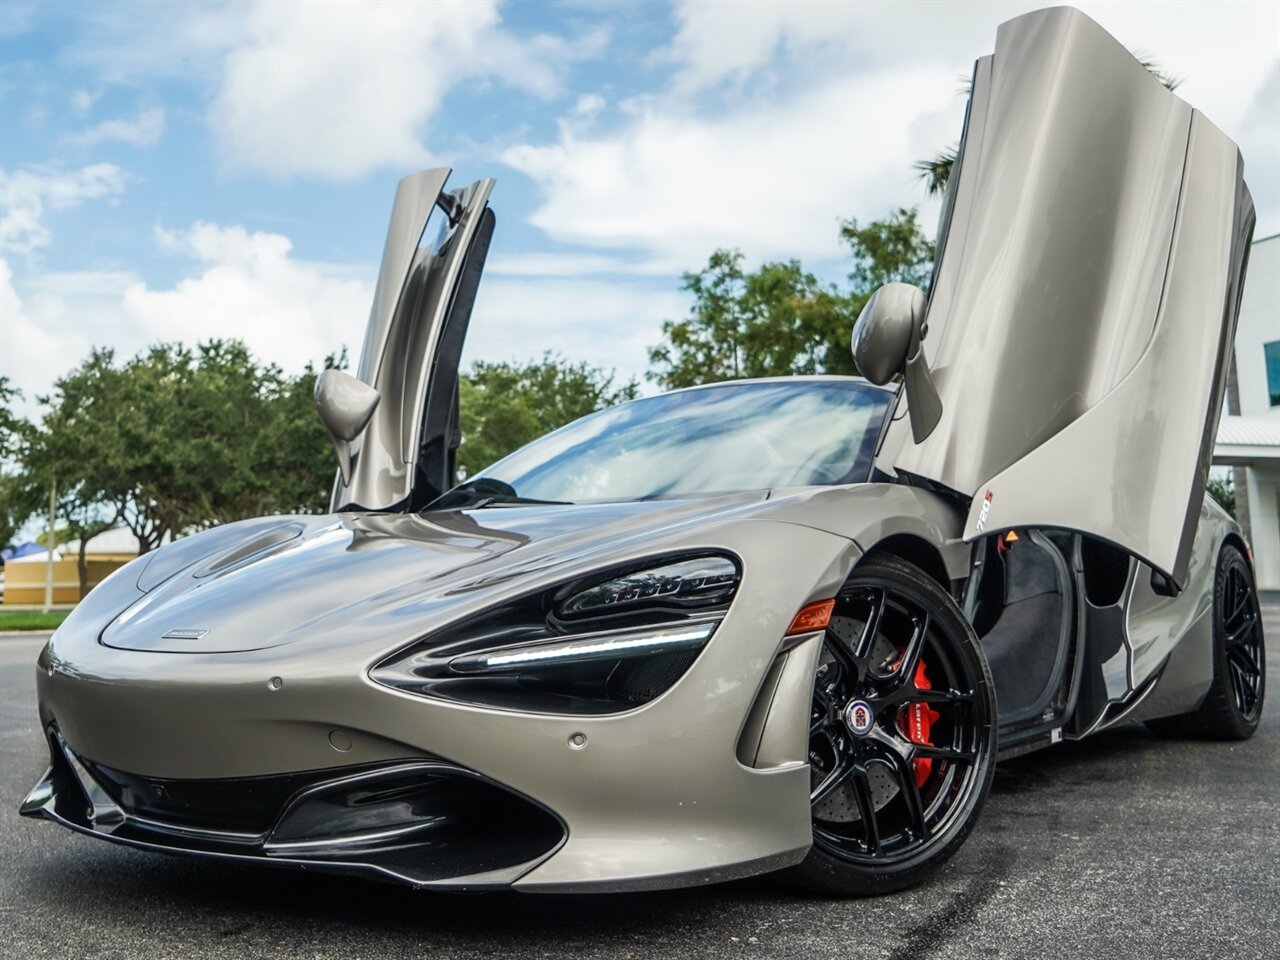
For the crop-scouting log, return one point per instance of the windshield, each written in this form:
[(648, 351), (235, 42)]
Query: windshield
[(717, 439)]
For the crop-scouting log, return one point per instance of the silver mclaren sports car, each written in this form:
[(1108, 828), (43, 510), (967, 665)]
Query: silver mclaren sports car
[(773, 625)]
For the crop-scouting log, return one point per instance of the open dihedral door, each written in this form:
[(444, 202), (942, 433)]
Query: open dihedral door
[(431, 265), (1084, 303)]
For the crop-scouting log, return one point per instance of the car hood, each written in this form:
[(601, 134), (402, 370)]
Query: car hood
[(273, 581)]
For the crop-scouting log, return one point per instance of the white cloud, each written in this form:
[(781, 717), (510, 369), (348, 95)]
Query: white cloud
[(17, 16), (82, 101), (339, 90), (128, 43), (1260, 144), (575, 265), (142, 132), (782, 116), (610, 324), (770, 177), (28, 193), (729, 41), (250, 287), (51, 329), (332, 90), (244, 285)]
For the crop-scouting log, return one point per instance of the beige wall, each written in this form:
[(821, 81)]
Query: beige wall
[(24, 582)]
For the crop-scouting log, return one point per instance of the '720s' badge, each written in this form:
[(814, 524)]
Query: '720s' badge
[(985, 511)]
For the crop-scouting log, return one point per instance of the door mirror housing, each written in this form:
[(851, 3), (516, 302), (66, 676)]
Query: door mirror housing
[(345, 405), (888, 341)]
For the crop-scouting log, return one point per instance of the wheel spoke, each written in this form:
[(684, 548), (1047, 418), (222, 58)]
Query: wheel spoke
[(1239, 596), (910, 693), (925, 751), (905, 773), (1241, 657), (1242, 687), (869, 629), (837, 776), (904, 673), (866, 809), (845, 661), (1242, 630)]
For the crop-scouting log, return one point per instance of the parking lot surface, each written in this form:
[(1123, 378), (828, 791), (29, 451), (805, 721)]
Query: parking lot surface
[(1122, 846)]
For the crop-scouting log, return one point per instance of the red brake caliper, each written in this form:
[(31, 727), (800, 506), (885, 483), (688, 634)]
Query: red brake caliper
[(917, 719)]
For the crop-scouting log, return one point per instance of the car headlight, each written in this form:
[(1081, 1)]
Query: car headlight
[(701, 581), (594, 645)]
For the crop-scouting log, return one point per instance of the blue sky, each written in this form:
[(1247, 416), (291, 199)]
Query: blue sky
[(179, 171)]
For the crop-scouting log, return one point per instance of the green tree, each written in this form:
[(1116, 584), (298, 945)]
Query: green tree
[(297, 456), (893, 249), (13, 429), (16, 505), (779, 319), (775, 320), (503, 406), (177, 439), (1223, 490)]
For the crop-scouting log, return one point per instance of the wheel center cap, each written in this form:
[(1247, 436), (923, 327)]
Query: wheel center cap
[(859, 717)]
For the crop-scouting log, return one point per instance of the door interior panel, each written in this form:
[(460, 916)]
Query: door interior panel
[(1028, 606)]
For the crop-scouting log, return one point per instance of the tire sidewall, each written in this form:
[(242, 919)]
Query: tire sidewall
[(1230, 556)]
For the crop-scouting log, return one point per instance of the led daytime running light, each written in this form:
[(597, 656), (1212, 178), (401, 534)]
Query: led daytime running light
[(588, 649)]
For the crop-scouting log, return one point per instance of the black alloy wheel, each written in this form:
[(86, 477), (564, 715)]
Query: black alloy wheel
[(1242, 640), (902, 736), (1233, 706)]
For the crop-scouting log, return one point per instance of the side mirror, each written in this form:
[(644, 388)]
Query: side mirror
[(887, 341), (345, 405)]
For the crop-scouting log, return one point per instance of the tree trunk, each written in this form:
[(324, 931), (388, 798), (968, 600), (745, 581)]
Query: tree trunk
[(82, 567)]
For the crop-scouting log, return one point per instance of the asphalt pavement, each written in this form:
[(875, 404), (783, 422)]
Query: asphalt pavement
[(1123, 846)]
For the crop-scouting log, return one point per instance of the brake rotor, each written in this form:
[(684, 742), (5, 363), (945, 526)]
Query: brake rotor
[(915, 722)]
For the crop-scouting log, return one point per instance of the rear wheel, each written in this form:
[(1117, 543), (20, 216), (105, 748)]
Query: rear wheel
[(902, 734), (1233, 706)]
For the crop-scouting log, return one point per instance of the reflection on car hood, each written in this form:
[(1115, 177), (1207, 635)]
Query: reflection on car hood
[(284, 579)]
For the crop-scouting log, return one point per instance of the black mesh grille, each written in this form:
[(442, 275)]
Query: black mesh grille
[(245, 805)]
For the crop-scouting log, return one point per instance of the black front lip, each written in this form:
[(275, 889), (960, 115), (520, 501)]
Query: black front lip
[(70, 795)]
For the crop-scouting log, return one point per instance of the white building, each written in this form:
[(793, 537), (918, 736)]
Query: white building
[(1249, 433)]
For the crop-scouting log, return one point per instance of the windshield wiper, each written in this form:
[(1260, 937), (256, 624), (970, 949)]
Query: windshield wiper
[(497, 500), (483, 492)]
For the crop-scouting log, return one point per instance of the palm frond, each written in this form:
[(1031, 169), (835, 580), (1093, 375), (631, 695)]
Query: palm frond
[(936, 170)]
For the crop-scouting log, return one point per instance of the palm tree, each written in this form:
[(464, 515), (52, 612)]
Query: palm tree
[(935, 171)]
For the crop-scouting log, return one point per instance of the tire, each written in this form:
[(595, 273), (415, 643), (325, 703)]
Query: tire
[(1232, 708), (893, 796)]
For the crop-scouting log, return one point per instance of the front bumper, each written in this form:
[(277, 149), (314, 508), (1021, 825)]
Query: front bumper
[(424, 823), (659, 796)]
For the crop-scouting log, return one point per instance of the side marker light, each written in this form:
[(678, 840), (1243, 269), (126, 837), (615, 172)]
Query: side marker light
[(812, 616)]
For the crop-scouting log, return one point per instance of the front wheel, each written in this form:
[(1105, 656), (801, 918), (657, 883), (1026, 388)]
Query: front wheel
[(902, 738)]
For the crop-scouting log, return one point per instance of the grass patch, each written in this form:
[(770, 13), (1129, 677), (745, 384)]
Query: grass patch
[(31, 619)]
